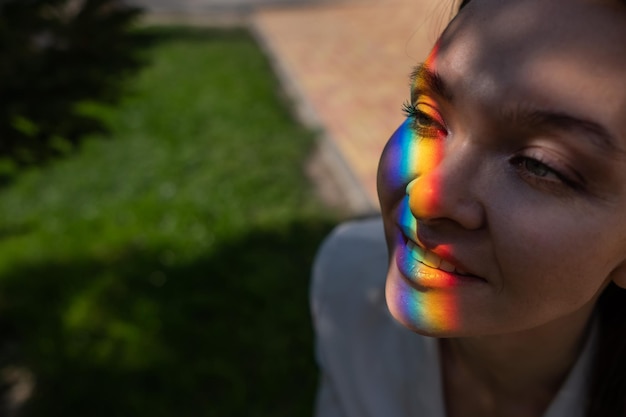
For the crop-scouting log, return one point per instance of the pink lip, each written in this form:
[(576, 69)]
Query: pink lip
[(424, 275), (443, 251)]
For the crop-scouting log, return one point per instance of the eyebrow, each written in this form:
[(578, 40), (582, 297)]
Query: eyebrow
[(595, 132), (425, 79)]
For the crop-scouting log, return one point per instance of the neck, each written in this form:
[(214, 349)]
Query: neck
[(523, 367)]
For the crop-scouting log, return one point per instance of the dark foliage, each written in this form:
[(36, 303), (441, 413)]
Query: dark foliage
[(225, 335), (54, 56)]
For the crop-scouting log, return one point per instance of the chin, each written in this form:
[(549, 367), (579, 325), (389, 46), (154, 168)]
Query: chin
[(429, 313)]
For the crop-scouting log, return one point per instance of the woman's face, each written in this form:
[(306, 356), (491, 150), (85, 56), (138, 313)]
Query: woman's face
[(504, 193)]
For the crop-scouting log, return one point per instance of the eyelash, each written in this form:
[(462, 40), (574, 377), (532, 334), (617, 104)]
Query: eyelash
[(429, 127)]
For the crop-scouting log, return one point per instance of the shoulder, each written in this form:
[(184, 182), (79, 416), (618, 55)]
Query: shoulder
[(348, 282), (363, 353), (352, 258), (348, 277)]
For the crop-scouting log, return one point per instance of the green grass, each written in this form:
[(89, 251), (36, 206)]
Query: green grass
[(163, 270)]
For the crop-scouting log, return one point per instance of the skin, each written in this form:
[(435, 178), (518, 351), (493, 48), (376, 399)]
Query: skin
[(532, 209)]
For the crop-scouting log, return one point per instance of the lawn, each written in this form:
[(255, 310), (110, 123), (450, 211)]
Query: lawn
[(162, 270)]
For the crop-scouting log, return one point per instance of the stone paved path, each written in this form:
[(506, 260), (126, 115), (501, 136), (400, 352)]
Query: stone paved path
[(345, 63), (348, 63)]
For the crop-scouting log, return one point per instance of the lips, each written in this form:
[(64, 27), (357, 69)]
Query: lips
[(428, 268), (431, 259)]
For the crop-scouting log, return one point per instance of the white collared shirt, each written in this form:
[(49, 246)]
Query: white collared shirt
[(370, 365)]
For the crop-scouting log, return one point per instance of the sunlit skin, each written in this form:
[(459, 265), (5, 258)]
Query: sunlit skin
[(512, 168)]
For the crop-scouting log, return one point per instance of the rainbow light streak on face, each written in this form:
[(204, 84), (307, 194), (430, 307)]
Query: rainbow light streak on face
[(402, 156), (411, 160), (433, 313), (433, 309)]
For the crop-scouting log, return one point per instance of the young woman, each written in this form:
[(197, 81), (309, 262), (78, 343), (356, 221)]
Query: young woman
[(503, 199)]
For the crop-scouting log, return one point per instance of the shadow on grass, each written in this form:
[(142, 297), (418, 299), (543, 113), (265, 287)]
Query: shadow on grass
[(135, 333)]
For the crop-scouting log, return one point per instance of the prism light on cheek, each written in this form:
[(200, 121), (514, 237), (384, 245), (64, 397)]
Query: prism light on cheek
[(400, 158), (429, 309), (429, 312), (409, 165)]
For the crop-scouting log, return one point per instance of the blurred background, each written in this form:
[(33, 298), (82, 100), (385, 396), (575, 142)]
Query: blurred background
[(167, 172)]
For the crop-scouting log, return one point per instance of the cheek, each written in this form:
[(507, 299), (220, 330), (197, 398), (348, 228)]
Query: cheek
[(404, 158), (553, 261), (397, 165)]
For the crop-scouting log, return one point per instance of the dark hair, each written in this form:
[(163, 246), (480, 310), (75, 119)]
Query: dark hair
[(607, 390), (607, 386)]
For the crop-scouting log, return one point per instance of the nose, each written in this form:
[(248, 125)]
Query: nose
[(446, 191)]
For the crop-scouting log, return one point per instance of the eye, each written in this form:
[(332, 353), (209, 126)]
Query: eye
[(538, 172), (424, 124), (536, 168), (423, 120)]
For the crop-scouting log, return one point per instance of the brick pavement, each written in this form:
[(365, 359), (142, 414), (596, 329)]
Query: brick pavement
[(348, 66), (345, 62), (204, 7)]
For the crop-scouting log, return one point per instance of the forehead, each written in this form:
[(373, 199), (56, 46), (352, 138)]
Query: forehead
[(568, 54), (591, 27)]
